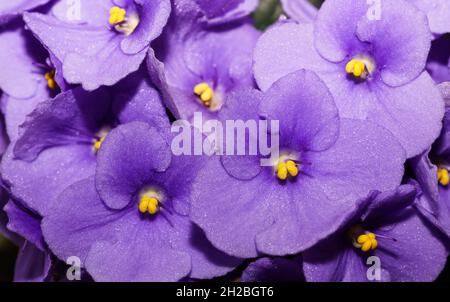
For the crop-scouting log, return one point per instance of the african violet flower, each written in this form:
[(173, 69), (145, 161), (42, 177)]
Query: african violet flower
[(59, 140), (438, 14), (197, 67), (300, 10), (325, 165), (384, 226), (33, 261), (104, 43), (28, 75), (274, 270), (136, 227), (373, 65), (13, 8), (223, 11), (431, 171)]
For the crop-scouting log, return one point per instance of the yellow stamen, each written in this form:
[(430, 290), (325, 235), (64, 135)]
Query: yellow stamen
[(121, 22), (282, 171), (443, 177), (356, 67), (367, 242), (200, 88), (287, 168), (292, 168), (205, 93), (148, 204), (116, 15), (50, 77), (98, 143), (143, 205)]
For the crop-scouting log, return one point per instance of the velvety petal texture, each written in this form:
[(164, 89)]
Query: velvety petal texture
[(89, 230), (395, 258), (135, 158), (438, 13), (93, 62), (68, 119), (300, 10), (187, 55), (19, 54), (404, 109), (117, 184), (25, 223), (32, 264), (333, 176), (11, 9)]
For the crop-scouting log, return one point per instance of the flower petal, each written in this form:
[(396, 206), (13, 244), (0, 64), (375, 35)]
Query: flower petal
[(285, 48), (130, 156)]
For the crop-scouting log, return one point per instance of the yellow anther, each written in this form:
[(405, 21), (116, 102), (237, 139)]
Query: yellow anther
[(355, 67), (282, 171), (367, 242), (286, 168), (148, 204), (292, 168), (50, 77), (98, 143), (200, 88), (443, 177), (116, 15), (152, 209), (143, 205), (205, 92), (207, 95)]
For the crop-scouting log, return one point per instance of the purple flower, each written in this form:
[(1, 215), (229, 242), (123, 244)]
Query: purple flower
[(325, 166), (136, 227), (11, 9), (197, 68), (438, 13), (300, 10), (372, 62), (384, 226), (28, 75), (105, 42), (431, 172), (274, 270), (58, 142), (33, 261)]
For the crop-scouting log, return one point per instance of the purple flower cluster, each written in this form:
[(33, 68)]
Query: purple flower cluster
[(360, 187)]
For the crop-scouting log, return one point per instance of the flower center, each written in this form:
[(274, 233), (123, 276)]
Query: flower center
[(361, 239), (205, 94), (360, 67), (123, 24), (50, 78), (101, 135), (442, 175), (286, 168), (98, 143), (149, 202)]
